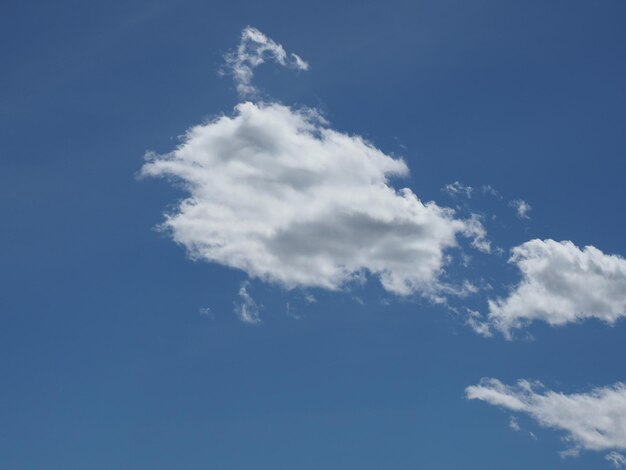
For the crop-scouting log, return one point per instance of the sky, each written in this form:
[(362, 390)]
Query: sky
[(304, 235)]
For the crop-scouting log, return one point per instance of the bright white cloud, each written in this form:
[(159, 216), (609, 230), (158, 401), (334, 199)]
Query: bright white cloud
[(278, 194), (591, 421), (521, 207), (617, 460), (253, 50), (247, 309), (560, 284)]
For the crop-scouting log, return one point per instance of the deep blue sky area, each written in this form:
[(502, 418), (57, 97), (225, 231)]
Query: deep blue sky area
[(105, 359)]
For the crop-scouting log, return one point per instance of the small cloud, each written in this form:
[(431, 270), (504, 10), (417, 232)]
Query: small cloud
[(269, 194), (489, 190), (254, 48), (291, 312), (310, 298), (521, 207), (458, 189), (594, 421), (616, 459), (358, 300), (247, 309), (465, 289), (514, 424), (567, 453)]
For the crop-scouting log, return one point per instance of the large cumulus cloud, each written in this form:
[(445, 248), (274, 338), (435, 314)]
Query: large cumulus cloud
[(277, 193)]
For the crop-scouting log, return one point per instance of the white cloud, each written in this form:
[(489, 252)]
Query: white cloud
[(592, 421), (276, 193), (514, 424), (475, 229), (253, 49), (521, 207), (561, 284), (293, 312), (458, 188), (247, 309), (617, 460), (475, 322)]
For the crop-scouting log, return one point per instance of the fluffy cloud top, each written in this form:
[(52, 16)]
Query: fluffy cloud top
[(254, 48), (593, 421), (276, 193), (561, 284)]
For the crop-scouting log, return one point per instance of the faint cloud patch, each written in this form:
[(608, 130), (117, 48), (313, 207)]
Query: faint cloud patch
[(275, 192), (522, 208), (514, 424), (246, 308), (207, 312), (595, 420), (489, 190)]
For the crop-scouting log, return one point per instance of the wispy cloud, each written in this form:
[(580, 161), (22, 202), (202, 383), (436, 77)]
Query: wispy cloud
[(207, 312), (458, 189), (592, 421), (514, 424), (246, 308), (253, 50), (616, 459), (522, 208)]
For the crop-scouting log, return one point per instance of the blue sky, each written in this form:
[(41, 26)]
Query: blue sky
[(118, 350)]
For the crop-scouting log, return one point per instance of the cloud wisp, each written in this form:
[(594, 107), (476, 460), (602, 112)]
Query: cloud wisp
[(246, 309), (522, 208), (561, 283), (616, 459), (253, 50), (457, 188), (591, 421)]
